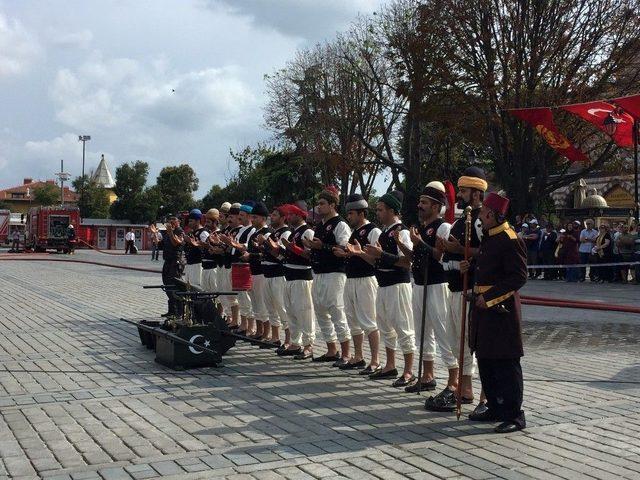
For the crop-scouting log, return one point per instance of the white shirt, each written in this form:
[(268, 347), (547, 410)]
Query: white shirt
[(590, 236), (374, 234), (204, 236), (130, 236)]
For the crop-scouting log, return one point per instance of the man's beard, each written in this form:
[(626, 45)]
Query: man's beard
[(462, 203)]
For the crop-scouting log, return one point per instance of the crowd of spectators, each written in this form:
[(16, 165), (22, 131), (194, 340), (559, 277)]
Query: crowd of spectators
[(578, 243)]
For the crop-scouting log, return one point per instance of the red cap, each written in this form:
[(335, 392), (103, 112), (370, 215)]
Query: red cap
[(283, 209), (295, 210), (497, 203)]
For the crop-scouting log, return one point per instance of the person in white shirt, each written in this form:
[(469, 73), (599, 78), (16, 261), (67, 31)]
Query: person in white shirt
[(588, 237), (299, 279), (239, 246), (129, 241), (393, 303), (361, 287), (329, 278)]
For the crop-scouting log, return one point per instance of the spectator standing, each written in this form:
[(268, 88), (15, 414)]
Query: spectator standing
[(15, 241), (616, 233), (603, 251), (587, 241), (129, 242), (518, 224), (548, 240), (625, 244), (156, 237), (532, 240), (569, 252)]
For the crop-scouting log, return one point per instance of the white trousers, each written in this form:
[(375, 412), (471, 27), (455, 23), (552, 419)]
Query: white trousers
[(435, 327), (328, 303), (395, 319), (274, 301), (193, 274), (244, 301), (360, 304), (224, 284), (454, 329), (210, 279), (256, 294), (299, 306)]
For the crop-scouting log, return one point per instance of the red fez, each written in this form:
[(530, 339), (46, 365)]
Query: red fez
[(290, 209), (283, 209), (497, 203), (295, 210)]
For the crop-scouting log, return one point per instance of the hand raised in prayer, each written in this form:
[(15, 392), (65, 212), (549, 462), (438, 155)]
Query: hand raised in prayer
[(374, 251), (416, 239)]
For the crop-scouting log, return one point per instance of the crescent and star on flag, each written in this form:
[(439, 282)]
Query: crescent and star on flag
[(616, 118)]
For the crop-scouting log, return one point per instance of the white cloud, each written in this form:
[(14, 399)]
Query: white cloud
[(312, 20), (78, 39), (115, 92), (18, 48), (65, 147)]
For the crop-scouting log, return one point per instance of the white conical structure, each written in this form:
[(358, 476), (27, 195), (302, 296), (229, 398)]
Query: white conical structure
[(102, 175)]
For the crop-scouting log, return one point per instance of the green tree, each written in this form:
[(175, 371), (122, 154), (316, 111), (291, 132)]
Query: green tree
[(214, 198), (47, 194), (131, 192), (176, 186), (94, 200)]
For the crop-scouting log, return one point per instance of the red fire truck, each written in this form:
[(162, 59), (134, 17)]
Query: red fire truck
[(47, 227), (5, 216)]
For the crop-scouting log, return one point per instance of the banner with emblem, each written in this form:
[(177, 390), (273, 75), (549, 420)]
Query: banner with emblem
[(630, 104), (541, 119), (612, 120)]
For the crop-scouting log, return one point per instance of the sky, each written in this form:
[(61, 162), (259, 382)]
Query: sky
[(164, 81)]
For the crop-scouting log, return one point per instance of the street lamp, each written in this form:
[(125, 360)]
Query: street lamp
[(84, 139), (63, 176)]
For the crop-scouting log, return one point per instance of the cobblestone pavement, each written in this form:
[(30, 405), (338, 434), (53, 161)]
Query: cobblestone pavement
[(81, 398)]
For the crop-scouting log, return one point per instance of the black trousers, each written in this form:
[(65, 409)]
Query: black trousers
[(502, 383), (170, 270)]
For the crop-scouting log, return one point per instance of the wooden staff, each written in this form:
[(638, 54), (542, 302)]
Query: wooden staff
[(463, 323)]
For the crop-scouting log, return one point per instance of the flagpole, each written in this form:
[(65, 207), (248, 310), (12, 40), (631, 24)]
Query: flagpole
[(635, 168)]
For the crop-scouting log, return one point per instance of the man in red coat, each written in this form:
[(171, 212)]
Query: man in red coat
[(495, 331)]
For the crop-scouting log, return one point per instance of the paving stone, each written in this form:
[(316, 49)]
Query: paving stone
[(94, 401)]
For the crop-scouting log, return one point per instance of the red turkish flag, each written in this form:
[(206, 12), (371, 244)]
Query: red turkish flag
[(630, 104), (541, 119), (612, 120)]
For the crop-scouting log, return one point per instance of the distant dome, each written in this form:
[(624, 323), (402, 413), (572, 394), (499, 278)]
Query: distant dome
[(594, 201)]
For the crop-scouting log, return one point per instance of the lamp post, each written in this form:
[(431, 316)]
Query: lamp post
[(63, 176), (635, 170), (84, 139)]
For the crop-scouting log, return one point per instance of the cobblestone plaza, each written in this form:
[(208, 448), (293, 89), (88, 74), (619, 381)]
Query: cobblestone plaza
[(80, 397)]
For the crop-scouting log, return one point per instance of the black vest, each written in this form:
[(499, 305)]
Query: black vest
[(457, 230), (323, 260), (228, 259), (436, 273), (291, 258), (388, 275), (255, 251), (235, 257), (210, 260), (275, 270), (356, 267), (194, 254)]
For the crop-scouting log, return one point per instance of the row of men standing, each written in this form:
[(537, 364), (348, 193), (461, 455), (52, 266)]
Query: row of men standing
[(356, 280)]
